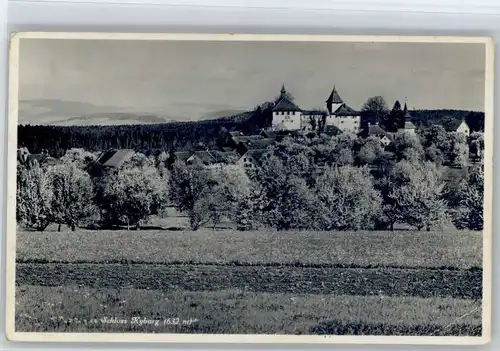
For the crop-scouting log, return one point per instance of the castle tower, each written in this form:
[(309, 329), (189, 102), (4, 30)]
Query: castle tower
[(286, 114), (334, 101)]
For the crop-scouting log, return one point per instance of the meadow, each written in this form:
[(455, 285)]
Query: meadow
[(223, 281)]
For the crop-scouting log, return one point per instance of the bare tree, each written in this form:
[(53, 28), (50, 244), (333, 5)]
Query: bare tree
[(375, 109)]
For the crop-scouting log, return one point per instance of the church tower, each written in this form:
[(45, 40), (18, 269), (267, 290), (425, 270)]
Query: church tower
[(408, 127)]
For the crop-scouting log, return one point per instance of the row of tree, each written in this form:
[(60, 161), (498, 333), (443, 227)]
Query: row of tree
[(376, 110), (341, 183)]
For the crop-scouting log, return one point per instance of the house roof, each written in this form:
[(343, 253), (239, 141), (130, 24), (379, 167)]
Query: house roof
[(247, 138), (313, 112), (114, 158), (256, 154), (409, 125), (345, 110), (375, 130), (209, 157), (334, 97), (269, 133), (236, 133), (452, 125), (285, 104), (255, 145), (259, 144), (182, 155)]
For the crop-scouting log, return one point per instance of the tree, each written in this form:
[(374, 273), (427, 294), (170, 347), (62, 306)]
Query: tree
[(336, 151), (413, 194), (81, 158), (249, 210), (436, 135), (33, 197), (369, 151), (406, 146), (133, 194), (72, 201), (459, 150), (139, 160), (231, 190), (287, 201), (188, 186), (313, 122), (394, 119), (295, 157), (471, 201), (477, 145), (347, 199), (375, 110)]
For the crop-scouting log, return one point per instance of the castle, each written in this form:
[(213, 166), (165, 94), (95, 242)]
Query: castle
[(288, 116)]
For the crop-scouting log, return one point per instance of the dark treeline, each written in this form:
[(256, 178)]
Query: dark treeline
[(184, 136), (175, 136), (426, 118)]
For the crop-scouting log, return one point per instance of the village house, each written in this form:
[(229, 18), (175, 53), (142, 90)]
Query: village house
[(251, 159), (288, 116), (376, 131), (458, 126), (109, 161), (257, 144), (28, 159), (212, 158)]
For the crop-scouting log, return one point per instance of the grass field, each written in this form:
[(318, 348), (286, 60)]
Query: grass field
[(237, 311), (396, 283), (458, 249)]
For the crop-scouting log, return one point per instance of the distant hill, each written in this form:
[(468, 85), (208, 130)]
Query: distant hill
[(68, 113)]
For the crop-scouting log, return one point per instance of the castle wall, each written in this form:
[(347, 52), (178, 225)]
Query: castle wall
[(290, 119)]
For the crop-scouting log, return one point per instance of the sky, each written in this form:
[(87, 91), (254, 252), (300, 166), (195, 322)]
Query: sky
[(64, 81)]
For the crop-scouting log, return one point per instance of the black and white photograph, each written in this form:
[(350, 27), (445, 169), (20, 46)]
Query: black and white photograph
[(249, 187)]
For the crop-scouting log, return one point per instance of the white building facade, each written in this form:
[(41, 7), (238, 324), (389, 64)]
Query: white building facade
[(288, 116)]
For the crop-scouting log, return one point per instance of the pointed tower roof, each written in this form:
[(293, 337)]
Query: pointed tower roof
[(334, 97), (284, 103), (406, 113), (282, 91), (345, 110)]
